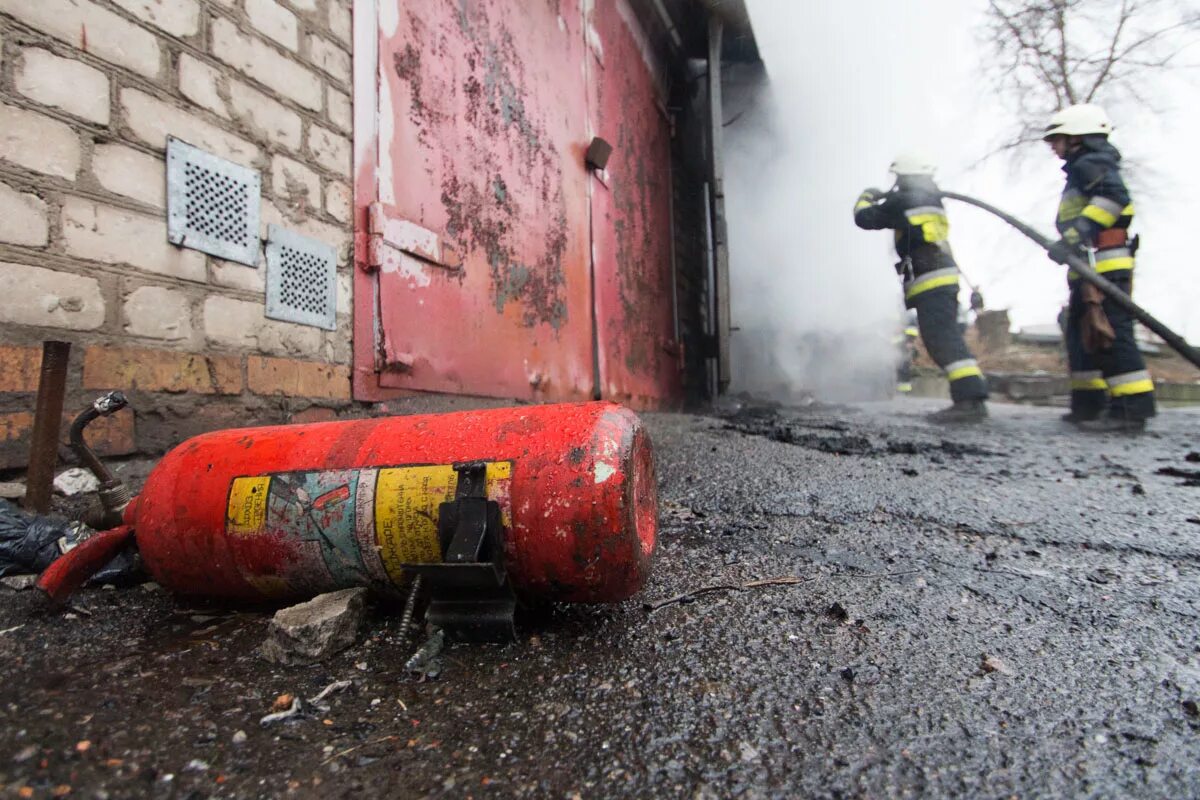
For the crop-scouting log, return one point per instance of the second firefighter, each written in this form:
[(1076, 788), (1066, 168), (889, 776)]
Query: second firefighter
[(1110, 387), (913, 210)]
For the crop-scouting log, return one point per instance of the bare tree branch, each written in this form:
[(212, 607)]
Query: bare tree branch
[(1046, 54), (1111, 59)]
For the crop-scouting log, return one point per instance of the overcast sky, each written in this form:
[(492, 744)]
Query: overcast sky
[(857, 81)]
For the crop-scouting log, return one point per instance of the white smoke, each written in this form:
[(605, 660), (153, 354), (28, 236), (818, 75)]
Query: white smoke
[(815, 300)]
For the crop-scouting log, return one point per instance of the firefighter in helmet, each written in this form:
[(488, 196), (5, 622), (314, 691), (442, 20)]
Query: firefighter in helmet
[(913, 210), (1110, 387)]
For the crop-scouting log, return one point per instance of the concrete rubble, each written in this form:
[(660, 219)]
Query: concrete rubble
[(75, 480), (18, 583), (314, 630)]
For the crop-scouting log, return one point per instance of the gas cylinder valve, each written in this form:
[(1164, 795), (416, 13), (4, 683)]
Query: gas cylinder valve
[(114, 494)]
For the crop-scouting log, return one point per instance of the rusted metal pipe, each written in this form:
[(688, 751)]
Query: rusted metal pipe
[(47, 423)]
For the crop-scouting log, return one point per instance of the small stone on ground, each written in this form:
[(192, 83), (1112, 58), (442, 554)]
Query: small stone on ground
[(314, 630)]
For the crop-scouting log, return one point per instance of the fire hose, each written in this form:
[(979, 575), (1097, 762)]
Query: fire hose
[(1085, 271)]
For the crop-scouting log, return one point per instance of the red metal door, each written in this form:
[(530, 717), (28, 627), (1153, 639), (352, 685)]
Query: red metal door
[(631, 214), (478, 234), (478, 227)]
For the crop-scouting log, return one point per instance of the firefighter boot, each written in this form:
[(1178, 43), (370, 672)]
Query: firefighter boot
[(963, 411), (1113, 424)]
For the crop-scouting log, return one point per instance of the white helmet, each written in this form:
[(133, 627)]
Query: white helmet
[(913, 162), (1079, 120)]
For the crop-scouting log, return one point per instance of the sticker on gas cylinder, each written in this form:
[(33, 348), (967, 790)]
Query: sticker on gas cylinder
[(348, 527), (247, 506), (406, 510)]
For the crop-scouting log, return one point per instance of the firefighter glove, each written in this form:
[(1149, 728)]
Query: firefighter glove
[(1061, 250), (1095, 329)]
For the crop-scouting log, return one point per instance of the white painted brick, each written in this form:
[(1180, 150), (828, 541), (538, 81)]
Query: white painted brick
[(116, 236), (22, 218), (295, 183), (340, 236), (38, 143), (274, 21), (49, 299), (159, 313), (201, 84), (345, 292), (336, 349), (339, 21), (337, 201), (240, 276), (63, 83), (265, 64), (131, 173), (331, 150), (270, 214), (266, 117), (86, 26), (337, 346), (152, 120), (176, 17), (340, 113), (243, 325), (330, 58)]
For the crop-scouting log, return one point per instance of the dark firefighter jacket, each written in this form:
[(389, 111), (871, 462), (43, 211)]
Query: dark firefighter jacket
[(914, 210), (1096, 210)]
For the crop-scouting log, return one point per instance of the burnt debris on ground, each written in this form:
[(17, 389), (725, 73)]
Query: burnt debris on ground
[(813, 429)]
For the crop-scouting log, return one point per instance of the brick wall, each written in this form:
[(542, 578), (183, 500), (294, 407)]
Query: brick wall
[(89, 92)]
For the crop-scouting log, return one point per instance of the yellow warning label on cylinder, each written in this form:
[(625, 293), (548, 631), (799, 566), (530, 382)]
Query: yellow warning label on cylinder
[(336, 528), (406, 510), (247, 511)]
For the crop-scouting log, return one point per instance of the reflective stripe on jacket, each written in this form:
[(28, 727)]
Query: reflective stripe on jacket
[(914, 210), (1095, 201)]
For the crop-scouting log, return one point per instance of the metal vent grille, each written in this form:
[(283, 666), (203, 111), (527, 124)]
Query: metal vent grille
[(301, 279), (212, 204)]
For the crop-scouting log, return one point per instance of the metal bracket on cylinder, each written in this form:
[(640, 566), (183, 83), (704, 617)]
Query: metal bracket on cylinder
[(471, 598)]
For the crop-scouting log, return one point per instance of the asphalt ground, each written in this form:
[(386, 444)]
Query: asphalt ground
[(847, 602)]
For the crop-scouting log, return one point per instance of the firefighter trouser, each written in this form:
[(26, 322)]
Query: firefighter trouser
[(937, 319), (904, 370), (1115, 378)]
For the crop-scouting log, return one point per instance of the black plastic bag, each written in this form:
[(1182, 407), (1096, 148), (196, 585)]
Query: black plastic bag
[(29, 543)]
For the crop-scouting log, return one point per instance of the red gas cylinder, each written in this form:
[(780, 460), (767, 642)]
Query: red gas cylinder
[(291, 511)]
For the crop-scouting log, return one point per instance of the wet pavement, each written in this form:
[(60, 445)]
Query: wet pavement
[(847, 602)]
